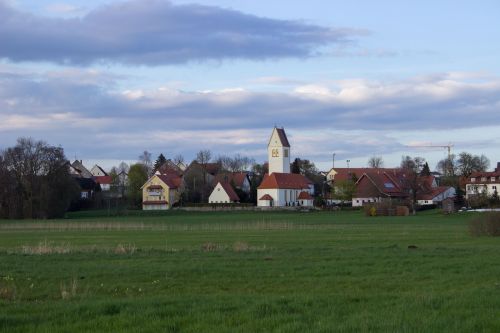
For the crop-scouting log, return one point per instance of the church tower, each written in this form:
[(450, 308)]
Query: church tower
[(278, 151)]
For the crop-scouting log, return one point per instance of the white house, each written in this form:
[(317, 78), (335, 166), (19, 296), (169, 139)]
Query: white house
[(239, 180), (97, 171), (223, 193), (436, 195), (280, 188), (487, 183)]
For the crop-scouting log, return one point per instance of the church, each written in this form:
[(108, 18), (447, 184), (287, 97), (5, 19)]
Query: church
[(280, 188)]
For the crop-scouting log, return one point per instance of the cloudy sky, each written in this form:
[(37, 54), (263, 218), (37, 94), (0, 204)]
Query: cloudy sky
[(108, 79)]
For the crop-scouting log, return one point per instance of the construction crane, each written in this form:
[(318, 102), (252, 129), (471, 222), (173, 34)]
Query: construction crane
[(448, 147), (448, 170)]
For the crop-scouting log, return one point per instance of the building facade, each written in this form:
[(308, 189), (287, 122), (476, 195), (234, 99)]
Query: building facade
[(280, 188)]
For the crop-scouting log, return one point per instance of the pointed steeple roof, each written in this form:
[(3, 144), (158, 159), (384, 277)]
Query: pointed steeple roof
[(282, 137)]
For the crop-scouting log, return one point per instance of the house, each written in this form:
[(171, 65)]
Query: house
[(104, 181), (343, 174), (240, 180), (87, 187), (487, 183), (223, 193), (436, 195), (160, 192), (77, 169), (169, 167), (376, 185), (432, 194), (280, 188), (210, 170), (97, 171)]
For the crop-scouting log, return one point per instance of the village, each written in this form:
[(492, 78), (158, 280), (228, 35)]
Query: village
[(207, 185)]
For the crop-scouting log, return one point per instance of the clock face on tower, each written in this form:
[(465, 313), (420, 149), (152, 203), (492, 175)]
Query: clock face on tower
[(275, 153)]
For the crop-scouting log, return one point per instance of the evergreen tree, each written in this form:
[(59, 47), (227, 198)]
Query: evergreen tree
[(159, 162), (296, 166), (426, 171)]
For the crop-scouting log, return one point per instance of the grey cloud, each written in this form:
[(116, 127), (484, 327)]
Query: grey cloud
[(156, 32), (92, 117)]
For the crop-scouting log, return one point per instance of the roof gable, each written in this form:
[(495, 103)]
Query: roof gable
[(383, 182), (280, 135), (172, 181), (229, 191), (99, 169)]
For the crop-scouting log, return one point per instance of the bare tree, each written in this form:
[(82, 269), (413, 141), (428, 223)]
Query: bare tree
[(203, 157), (468, 163), (178, 159), (448, 166), (411, 168), (145, 159), (376, 162), (123, 168)]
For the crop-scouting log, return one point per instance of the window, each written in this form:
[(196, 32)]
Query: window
[(388, 185), (275, 153), (494, 187), (483, 179), (285, 153), (473, 179), (492, 179)]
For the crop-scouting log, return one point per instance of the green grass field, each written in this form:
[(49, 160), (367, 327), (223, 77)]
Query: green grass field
[(248, 272)]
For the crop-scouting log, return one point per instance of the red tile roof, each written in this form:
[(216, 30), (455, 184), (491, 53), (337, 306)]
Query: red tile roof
[(169, 168), (171, 180), (105, 180), (305, 196), (372, 184), (230, 191), (285, 181), (426, 182), (347, 173), (266, 197), (487, 175), (434, 192)]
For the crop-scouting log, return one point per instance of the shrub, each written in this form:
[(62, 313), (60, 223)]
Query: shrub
[(240, 247), (210, 247), (487, 224), (7, 293)]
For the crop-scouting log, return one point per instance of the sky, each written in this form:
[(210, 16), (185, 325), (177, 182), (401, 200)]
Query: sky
[(108, 79)]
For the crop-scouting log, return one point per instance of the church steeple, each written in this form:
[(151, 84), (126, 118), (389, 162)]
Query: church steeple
[(278, 151)]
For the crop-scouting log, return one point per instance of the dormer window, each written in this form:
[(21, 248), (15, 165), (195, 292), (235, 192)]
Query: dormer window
[(492, 179), (483, 179), (473, 179)]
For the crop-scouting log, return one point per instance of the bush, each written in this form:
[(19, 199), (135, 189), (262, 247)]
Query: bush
[(487, 224)]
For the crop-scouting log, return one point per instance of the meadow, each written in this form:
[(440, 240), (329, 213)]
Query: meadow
[(248, 272)]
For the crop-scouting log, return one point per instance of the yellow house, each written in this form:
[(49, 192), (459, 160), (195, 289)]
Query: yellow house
[(160, 192)]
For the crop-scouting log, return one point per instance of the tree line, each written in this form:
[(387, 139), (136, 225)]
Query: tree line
[(35, 181)]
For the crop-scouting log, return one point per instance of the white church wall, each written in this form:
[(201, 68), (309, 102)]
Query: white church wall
[(278, 156)]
